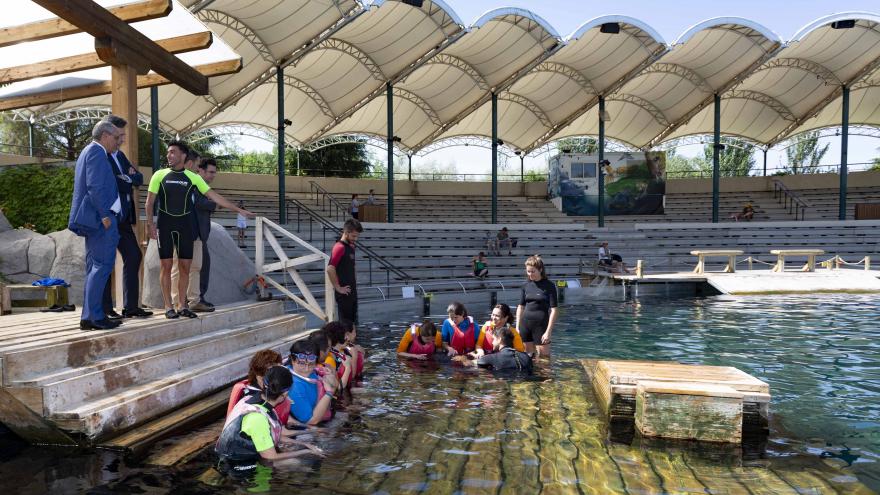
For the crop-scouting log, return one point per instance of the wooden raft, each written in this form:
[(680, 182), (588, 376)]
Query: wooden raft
[(675, 400)]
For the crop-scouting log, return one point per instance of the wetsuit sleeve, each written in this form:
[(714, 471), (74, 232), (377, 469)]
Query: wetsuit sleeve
[(156, 180), (522, 296), (256, 426), (336, 254), (551, 294), (198, 181), (487, 361), (405, 341)]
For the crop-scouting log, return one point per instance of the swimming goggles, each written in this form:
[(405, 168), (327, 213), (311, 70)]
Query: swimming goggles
[(311, 358)]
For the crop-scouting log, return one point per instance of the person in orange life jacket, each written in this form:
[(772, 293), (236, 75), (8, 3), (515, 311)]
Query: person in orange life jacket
[(459, 332), (344, 363), (311, 395), (418, 341), (252, 431), (342, 271), (501, 317), (353, 349), (253, 384)]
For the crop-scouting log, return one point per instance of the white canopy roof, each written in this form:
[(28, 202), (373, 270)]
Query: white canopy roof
[(338, 56)]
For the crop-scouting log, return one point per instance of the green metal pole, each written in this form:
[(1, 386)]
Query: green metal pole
[(844, 144), (390, 105), (494, 157), (716, 159), (282, 213), (409, 170), (765, 162), (31, 137), (600, 168), (154, 127)]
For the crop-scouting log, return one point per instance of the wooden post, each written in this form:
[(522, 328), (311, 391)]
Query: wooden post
[(124, 104), (867, 263), (639, 271)]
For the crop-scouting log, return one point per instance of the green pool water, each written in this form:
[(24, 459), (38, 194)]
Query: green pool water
[(435, 428)]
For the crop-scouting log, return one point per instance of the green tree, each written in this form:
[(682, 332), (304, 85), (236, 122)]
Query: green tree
[(682, 167), (805, 154), (736, 159), (876, 165), (340, 160), (36, 196), (586, 145)]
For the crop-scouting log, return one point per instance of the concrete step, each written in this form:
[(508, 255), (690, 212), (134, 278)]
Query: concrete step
[(45, 354), (122, 410), (77, 386)]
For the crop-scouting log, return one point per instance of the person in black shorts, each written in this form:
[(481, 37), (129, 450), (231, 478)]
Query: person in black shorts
[(536, 313), (342, 273), (174, 228)]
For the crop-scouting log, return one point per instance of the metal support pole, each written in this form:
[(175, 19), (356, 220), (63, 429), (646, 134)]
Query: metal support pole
[(522, 168), (494, 157), (844, 144), (282, 214), (154, 127), (600, 167), (716, 159), (409, 170), (390, 105), (31, 136), (765, 162)]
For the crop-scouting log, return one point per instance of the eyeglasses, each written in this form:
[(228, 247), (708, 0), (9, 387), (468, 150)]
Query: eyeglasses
[(310, 358)]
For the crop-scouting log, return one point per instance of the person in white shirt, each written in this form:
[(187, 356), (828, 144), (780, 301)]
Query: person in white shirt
[(241, 225), (612, 261), (354, 206), (371, 200)]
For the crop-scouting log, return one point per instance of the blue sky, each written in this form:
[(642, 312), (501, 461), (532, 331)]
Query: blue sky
[(670, 19)]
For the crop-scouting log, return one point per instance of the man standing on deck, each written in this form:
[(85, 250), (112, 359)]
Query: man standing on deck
[(175, 233), (203, 209), (190, 163), (342, 273)]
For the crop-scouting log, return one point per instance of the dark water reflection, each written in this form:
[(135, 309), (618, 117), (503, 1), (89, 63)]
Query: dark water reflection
[(430, 427)]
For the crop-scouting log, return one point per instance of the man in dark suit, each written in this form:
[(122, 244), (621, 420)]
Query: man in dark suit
[(94, 215), (127, 178), (204, 207)]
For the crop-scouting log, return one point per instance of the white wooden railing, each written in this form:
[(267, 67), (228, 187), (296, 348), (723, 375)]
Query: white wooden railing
[(266, 229)]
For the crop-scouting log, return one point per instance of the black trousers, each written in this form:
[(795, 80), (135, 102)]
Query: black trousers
[(347, 306), (205, 272), (131, 264)]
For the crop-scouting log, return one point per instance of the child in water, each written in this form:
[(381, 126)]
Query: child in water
[(419, 341), (356, 352)]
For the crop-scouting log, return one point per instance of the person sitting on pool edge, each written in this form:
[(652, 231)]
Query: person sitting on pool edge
[(419, 341), (459, 332), (253, 384), (505, 357), (500, 318), (252, 431), (311, 395)]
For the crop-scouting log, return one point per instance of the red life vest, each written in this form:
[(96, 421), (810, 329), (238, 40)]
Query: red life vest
[(416, 347), (463, 342), (242, 389), (488, 339)]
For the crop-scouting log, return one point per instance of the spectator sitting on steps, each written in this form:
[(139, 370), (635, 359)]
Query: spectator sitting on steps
[(747, 213), (480, 266)]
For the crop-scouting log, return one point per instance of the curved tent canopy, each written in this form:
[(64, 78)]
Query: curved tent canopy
[(708, 58), (799, 89), (499, 47)]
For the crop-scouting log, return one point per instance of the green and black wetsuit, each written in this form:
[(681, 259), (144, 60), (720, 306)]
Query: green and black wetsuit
[(173, 190)]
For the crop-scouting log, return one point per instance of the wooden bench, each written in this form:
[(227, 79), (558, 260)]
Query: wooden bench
[(811, 254), (731, 255), (50, 296)]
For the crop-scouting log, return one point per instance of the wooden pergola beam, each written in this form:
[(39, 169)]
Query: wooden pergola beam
[(85, 61), (51, 28), (97, 21), (105, 88)]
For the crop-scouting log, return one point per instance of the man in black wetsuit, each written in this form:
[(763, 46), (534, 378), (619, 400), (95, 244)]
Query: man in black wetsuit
[(505, 357), (342, 273), (173, 186)]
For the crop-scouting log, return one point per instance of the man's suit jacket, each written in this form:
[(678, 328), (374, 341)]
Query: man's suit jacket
[(126, 197), (202, 211), (94, 191)]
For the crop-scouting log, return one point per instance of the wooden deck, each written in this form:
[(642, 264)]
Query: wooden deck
[(89, 386)]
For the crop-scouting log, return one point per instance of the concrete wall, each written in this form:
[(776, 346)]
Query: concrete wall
[(745, 184)]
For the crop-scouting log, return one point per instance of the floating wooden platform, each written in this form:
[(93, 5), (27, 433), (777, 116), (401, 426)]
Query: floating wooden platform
[(674, 400), (90, 386), (757, 282)]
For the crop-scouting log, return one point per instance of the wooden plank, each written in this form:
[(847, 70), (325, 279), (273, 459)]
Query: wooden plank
[(28, 424), (97, 21), (85, 61), (179, 449), (54, 27), (691, 412), (141, 438), (630, 372), (105, 88)]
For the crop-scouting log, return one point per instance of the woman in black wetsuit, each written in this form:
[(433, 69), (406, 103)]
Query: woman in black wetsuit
[(536, 312)]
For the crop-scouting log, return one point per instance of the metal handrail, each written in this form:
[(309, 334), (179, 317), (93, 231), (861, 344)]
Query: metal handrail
[(341, 212), (328, 225), (789, 199)]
